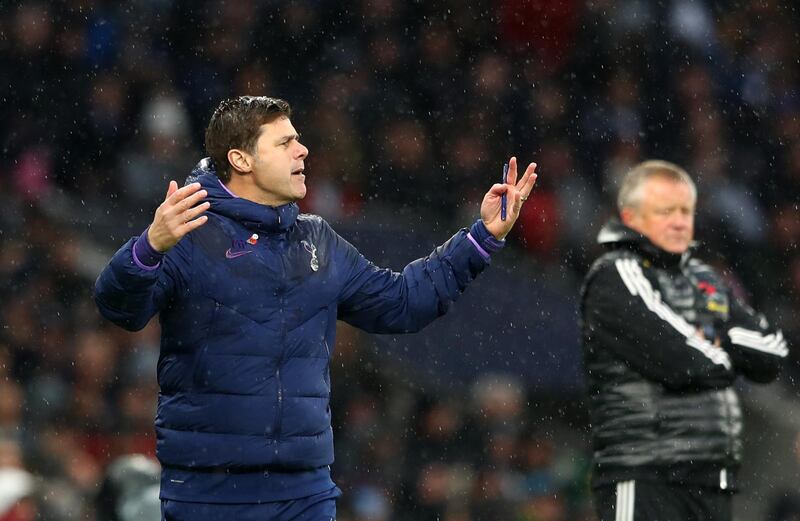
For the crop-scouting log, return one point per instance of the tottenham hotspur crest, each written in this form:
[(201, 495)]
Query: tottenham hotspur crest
[(310, 248)]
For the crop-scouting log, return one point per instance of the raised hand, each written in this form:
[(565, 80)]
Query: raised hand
[(517, 193), (177, 215)]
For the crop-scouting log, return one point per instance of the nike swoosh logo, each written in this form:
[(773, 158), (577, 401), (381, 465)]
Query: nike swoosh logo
[(233, 254)]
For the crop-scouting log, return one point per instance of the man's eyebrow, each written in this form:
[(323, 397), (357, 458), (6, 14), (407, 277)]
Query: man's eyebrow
[(288, 137)]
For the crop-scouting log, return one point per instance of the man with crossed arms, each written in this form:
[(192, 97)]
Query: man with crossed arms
[(664, 338)]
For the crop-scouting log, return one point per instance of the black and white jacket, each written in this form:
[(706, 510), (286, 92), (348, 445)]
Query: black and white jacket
[(662, 405)]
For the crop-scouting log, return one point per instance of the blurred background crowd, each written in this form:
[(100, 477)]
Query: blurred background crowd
[(409, 109)]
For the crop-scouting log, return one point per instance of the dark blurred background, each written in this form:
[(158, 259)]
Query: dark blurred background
[(409, 109)]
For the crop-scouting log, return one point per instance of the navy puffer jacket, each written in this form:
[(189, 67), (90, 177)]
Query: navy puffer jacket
[(248, 305)]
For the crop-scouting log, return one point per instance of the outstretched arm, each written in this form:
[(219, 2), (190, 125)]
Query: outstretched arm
[(382, 301)]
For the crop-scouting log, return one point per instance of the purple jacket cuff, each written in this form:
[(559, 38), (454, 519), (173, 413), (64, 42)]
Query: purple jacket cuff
[(484, 241), (144, 255)]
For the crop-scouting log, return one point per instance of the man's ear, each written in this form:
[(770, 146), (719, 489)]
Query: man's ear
[(240, 160), (627, 216)]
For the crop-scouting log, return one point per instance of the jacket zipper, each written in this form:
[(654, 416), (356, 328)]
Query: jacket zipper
[(279, 419), (279, 415)]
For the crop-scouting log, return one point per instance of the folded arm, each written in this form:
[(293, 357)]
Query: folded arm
[(756, 349), (627, 314)]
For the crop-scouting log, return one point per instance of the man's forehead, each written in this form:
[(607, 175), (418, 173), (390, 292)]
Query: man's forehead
[(279, 125), (664, 180), (664, 186), (277, 130)]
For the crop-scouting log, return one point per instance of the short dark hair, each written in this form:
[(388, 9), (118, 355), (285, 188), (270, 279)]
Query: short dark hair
[(236, 123)]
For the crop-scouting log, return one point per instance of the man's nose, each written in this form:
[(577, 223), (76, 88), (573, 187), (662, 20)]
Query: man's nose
[(680, 221), (302, 151)]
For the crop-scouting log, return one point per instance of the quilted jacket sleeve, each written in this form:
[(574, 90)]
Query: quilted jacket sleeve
[(756, 348), (382, 301), (129, 292)]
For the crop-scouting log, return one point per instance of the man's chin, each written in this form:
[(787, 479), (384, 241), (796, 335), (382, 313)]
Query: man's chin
[(678, 249)]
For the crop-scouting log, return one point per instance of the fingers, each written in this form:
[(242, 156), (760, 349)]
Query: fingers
[(182, 193), (191, 200), (182, 206), (179, 214), (512, 171), (193, 212), (498, 189), (182, 200), (516, 202), (530, 172), (515, 192), (526, 184), (196, 223), (171, 189)]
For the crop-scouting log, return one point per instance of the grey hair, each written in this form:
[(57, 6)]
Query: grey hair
[(630, 192)]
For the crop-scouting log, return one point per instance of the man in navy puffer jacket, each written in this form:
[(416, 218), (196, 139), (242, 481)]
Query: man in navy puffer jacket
[(248, 293)]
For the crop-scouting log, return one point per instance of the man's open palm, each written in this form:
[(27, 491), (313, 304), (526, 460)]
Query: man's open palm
[(177, 215)]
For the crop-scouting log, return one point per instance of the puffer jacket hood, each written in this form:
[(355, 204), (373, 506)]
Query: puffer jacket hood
[(253, 216)]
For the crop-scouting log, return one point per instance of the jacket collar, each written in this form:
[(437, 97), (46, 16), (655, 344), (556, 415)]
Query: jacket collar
[(615, 235), (251, 215)]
